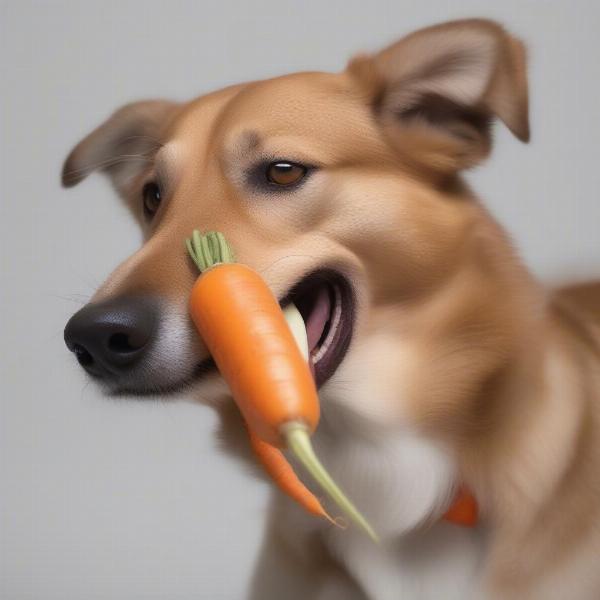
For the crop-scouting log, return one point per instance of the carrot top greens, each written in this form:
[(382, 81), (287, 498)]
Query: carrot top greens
[(209, 249)]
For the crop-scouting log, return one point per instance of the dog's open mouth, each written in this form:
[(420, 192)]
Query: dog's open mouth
[(325, 300), (326, 303)]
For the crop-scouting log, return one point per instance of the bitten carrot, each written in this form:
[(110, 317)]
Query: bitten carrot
[(252, 345)]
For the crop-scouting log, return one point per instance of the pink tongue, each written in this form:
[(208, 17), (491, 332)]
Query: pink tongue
[(315, 323)]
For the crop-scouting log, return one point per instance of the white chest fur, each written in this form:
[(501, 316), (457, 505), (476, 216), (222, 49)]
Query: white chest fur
[(400, 482), (440, 562)]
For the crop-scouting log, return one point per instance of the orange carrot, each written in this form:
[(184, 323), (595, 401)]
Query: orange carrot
[(464, 510), (277, 466), (254, 349), (251, 343)]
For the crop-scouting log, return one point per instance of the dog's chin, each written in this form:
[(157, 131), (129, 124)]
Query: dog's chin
[(147, 385), (325, 299)]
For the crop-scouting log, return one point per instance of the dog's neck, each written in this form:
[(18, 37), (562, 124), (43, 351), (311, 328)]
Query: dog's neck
[(529, 399), (498, 451), (526, 486)]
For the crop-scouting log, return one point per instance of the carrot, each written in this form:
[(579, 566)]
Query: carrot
[(463, 510), (276, 465), (241, 323), (254, 349)]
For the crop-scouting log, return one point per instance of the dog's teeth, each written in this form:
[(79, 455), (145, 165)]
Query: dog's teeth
[(335, 321)]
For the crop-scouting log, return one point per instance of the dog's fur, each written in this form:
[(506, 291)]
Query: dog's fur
[(462, 368)]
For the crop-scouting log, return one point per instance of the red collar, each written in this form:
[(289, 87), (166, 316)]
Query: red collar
[(464, 510)]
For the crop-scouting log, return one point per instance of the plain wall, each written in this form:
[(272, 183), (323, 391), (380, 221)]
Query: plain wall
[(131, 499)]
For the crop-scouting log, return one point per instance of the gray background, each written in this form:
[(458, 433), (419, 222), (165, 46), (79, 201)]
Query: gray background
[(118, 499)]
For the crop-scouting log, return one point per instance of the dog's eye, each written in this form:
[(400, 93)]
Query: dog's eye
[(151, 198), (284, 173)]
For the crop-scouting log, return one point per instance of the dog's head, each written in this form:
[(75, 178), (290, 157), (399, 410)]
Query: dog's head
[(342, 190)]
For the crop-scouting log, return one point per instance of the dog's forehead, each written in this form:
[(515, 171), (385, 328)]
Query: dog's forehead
[(329, 109), (320, 105)]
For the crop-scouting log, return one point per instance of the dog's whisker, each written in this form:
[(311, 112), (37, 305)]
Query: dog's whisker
[(92, 284), (83, 389), (109, 162), (159, 143), (83, 299)]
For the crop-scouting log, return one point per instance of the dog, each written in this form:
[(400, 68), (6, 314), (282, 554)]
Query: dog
[(442, 363)]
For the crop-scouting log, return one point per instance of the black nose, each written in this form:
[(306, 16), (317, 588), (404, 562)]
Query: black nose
[(109, 337)]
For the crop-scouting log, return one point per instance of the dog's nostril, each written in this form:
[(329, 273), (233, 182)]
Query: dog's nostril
[(84, 358), (123, 343)]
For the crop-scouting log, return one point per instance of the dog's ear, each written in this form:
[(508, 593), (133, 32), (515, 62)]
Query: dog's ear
[(122, 145), (437, 90)]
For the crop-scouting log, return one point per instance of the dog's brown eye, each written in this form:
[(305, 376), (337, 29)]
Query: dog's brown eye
[(285, 173), (151, 198)]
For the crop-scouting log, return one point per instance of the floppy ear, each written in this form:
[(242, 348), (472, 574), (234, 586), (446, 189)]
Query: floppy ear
[(437, 90), (122, 145)]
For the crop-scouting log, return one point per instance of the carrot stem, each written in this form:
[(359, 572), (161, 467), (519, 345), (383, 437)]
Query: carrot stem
[(298, 440), (209, 249)]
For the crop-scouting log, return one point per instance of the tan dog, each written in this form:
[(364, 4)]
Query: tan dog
[(440, 359)]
